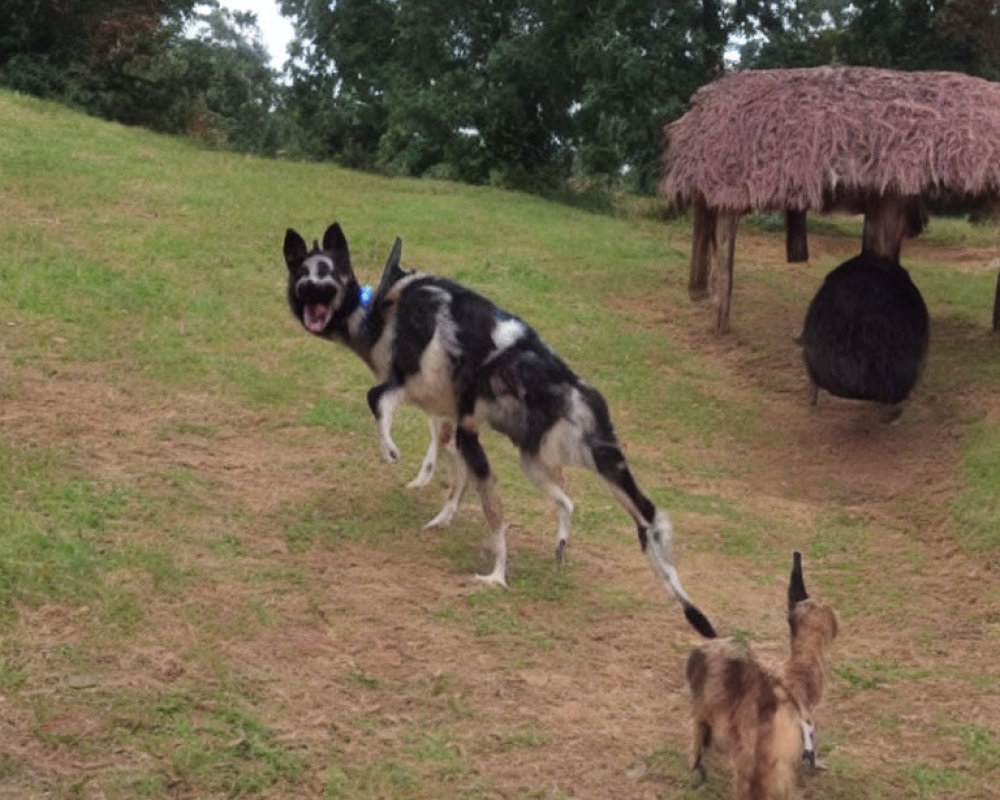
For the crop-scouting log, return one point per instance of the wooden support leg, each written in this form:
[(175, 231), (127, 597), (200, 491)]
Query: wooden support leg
[(702, 246), (996, 305), (796, 239), (727, 223)]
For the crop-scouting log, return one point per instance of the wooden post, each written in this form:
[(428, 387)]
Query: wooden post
[(996, 305), (796, 240), (702, 246), (886, 224), (726, 225)]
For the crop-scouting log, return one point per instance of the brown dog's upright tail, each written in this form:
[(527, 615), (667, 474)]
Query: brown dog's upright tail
[(796, 583)]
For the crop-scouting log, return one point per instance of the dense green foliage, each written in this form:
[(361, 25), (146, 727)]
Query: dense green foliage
[(520, 92), (959, 35), (523, 93), (163, 64), (98, 55)]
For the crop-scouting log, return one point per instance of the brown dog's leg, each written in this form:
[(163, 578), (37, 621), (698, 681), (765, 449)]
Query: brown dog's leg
[(702, 741)]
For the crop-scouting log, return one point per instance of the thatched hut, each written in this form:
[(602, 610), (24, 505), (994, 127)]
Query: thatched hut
[(794, 140)]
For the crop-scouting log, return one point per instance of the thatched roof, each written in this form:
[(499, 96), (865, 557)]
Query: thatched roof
[(806, 138)]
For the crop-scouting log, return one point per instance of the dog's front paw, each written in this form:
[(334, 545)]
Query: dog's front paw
[(423, 477), (444, 516), (493, 579), (388, 450)]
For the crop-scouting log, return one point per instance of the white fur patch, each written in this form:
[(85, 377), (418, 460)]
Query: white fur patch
[(808, 736), (381, 353), (431, 387), (507, 332), (320, 269), (565, 441)]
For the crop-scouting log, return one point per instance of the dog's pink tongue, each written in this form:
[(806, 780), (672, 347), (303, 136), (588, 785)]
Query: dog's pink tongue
[(315, 317)]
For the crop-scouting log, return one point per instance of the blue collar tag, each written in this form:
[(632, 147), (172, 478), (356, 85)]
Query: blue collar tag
[(365, 295)]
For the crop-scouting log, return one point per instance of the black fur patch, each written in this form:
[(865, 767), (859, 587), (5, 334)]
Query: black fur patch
[(535, 382), (699, 622), (472, 451), (416, 321), (796, 583), (374, 396)]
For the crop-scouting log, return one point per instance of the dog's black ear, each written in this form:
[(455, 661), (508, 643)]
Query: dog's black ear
[(796, 583), (335, 242), (392, 272), (295, 249), (395, 256)]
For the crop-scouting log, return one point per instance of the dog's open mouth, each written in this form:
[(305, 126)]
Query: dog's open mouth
[(317, 301), (315, 316)]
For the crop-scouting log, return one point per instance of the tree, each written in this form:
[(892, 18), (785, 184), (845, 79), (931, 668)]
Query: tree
[(522, 92), (791, 33), (341, 63), (223, 69), (639, 63), (958, 35), (60, 49), (133, 61), (409, 85)]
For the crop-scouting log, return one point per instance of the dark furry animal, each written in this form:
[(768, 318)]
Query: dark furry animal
[(761, 721), (866, 332), (462, 359)]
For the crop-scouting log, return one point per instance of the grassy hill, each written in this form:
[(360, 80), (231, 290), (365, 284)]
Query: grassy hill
[(210, 586)]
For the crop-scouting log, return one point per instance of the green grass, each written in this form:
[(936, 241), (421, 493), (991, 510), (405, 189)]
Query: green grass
[(61, 540), (494, 615), (940, 782), (864, 675), (212, 742), (382, 778), (945, 231), (224, 592), (982, 746), (977, 506)]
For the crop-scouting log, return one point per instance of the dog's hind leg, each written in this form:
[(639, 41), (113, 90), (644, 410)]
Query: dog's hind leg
[(702, 741), (383, 400), (426, 471), (467, 441), (549, 480)]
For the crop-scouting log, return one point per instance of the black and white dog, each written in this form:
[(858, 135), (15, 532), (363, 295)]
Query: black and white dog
[(466, 362)]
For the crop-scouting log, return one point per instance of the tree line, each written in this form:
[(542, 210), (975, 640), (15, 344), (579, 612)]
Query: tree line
[(521, 93)]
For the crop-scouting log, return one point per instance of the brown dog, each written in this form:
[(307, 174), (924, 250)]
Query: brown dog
[(762, 721)]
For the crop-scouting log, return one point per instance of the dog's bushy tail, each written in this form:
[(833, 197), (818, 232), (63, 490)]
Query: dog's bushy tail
[(654, 526), (657, 549), (699, 621)]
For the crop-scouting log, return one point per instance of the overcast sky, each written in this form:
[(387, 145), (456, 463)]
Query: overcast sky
[(275, 29)]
